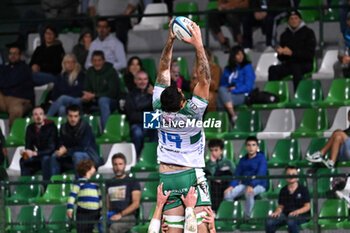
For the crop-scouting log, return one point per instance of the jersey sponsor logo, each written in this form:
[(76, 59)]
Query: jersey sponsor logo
[(151, 120)]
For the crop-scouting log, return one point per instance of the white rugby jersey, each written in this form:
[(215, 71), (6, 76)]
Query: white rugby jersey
[(181, 140)]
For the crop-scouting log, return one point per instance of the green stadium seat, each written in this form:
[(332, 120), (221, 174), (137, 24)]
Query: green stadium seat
[(279, 88), (310, 16), (150, 67), (333, 208), (30, 218), (324, 183), (7, 218), (286, 152), (315, 144), (217, 133), (143, 228), (56, 193), (59, 121), (332, 14), (183, 67), (58, 221), (116, 130), (149, 192), (18, 132), (148, 159), (268, 191), (262, 148), (228, 151), (25, 193), (313, 124), (261, 209), (94, 123), (229, 210), (123, 88), (212, 5), (308, 94), (184, 7), (338, 95), (247, 124)]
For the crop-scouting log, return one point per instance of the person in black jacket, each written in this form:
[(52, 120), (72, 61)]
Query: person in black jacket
[(296, 50), (16, 86), (41, 139), (68, 88), (138, 101), (47, 58), (76, 142)]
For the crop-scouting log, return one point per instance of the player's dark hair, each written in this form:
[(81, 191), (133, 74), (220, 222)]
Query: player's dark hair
[(252, 138), (216, 143), (98, 53), (15, 46), (104, 20), (119, 156), (171, 99), (73, 108), (291, 167)]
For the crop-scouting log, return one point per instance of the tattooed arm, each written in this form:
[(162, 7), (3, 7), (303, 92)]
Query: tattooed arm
[(203, 72), (163, 77)]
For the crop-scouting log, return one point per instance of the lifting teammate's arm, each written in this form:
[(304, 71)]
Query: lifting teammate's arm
[(203, 72), (163, 77)]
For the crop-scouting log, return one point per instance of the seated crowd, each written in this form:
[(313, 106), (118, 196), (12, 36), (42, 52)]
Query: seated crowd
[(97, 77)]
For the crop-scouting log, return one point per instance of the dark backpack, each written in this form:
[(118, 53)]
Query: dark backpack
[(261, 97)]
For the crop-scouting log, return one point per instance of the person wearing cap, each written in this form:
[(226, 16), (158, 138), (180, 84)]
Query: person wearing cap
[(81, 50), (344, 49), (296, 50)]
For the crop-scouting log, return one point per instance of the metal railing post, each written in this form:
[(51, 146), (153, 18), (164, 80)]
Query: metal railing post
[(104, 207), (315, 203)]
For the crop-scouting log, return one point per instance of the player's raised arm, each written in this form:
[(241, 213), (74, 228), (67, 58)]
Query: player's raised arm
[(163, 77), (203, 72)]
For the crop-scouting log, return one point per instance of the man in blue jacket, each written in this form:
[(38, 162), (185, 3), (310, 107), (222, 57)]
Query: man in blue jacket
[(252, 164), (16, 86), (76, 142)]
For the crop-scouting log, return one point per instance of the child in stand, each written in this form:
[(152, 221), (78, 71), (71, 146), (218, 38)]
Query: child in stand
[(88, 196)]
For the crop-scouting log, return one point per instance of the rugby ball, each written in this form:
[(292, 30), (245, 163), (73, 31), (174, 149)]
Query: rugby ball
[(179, 27)]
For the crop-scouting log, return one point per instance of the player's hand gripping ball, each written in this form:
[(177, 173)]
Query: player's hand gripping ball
[(179, 27)]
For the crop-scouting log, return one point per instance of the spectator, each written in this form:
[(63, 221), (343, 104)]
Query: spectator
[(118, 7), (3, 151), (176, 78), (267, 20), (47, 58), (68, 88), (101, 87), (344, 49), (296, 50), (76, 142), (111, 46), (81, 50), (215, 74), (41, 140), (338, 144), (16, 86), (59, 9), (232, 19), (218, 166), (252, 164), (138, 101), (123, 197), (87, 196), (343, 14), (293, 202), (134, 66), (236, 82)]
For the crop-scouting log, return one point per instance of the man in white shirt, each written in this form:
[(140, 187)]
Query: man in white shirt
[(117, 7), (112, 48)]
